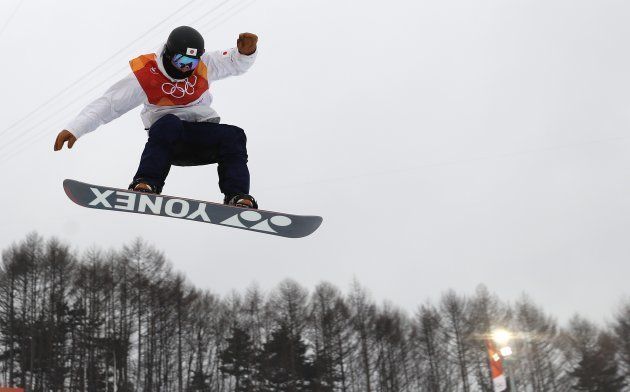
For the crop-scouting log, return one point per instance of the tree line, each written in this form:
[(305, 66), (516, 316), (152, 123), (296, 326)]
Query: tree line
[(124, 320)]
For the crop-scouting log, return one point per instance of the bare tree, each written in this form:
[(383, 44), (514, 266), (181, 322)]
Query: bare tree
[(330, 333), (363, 313), (459, 332), (432, 364), (485, 313), (123, 321), (538, 357), (621, 330)]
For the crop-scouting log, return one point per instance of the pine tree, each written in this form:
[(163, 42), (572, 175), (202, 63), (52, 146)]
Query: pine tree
[(283, 365), (597, 370), (237, 359), (621, 329), (199, 382)]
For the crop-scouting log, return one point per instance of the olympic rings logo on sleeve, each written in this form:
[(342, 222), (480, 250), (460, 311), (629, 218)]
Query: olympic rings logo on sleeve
[(180, 89)]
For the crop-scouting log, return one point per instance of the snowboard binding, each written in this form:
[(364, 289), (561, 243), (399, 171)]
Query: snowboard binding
[(140, 185), (241, 200)]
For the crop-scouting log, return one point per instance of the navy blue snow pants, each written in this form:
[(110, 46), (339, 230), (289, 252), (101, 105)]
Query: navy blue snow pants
[(182, 143)]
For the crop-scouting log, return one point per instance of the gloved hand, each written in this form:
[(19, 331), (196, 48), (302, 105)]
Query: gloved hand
[(246, 43), (64, 136)]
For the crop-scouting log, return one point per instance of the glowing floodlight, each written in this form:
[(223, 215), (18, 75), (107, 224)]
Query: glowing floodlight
[(501, 337)]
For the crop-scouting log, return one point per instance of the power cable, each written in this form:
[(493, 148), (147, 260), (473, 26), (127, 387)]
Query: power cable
[(80, 97), (15, 10), (215, 25), (9, 144), (210, 11), (105, 81), (20, 147), (89, 73), (108, 63), (457, 162)]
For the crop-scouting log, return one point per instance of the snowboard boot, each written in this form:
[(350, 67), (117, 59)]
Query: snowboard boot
[(141, 186), (241, 200)]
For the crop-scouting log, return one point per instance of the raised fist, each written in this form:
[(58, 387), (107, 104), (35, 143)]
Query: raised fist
[(64, 136), (246, 43)]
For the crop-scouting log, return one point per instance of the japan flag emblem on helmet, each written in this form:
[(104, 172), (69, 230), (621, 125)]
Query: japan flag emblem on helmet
[(191, 51)]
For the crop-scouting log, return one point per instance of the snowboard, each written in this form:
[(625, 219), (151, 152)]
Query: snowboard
[(266, 222)]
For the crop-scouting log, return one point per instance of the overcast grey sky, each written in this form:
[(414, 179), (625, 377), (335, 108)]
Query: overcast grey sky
[(446, 143)]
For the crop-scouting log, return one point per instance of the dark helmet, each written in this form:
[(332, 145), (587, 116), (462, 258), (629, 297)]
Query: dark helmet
[(185, 42)]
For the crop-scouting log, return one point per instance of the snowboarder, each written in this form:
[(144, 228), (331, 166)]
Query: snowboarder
[(183, 130)]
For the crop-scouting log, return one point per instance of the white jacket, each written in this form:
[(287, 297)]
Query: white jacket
[(127, 94)]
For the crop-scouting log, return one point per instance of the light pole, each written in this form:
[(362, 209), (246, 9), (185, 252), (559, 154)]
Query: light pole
[(502, 338)]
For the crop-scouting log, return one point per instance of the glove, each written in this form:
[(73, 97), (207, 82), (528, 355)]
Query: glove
[(246, 43), (64, 136)]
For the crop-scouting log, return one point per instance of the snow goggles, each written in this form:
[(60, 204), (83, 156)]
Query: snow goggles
[(184, 63)]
